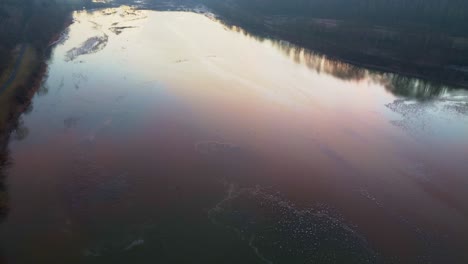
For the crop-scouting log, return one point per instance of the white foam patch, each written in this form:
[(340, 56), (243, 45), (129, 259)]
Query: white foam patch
[(135, 243)]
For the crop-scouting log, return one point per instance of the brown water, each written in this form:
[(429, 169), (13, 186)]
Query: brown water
[(167, 137)]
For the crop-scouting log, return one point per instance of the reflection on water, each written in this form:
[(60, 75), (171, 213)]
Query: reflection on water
[(3, 188), (395, 83), (169, 137)]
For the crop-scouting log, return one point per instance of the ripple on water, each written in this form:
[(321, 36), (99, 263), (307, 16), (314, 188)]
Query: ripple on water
[(92, 184)]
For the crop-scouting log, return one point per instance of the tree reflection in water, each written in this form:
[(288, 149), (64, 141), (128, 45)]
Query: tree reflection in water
[(15, 129), (397, 84)]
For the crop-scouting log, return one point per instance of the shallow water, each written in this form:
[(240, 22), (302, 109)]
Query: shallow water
[(170, 137)]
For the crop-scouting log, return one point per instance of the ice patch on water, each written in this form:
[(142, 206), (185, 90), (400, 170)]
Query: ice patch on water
[(277, 230), (125, 13), (457, 108), (135, 243), (119, 30), (91, 45), (366, 194), (429, 118)]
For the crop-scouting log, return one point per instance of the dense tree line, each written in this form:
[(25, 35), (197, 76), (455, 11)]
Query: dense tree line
[(31, 21), (447, 15)]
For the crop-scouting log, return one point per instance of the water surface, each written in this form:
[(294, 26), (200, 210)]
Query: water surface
[(168, 137)]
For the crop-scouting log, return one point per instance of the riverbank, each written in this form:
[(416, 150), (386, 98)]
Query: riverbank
[(15, 80), (412, 50), (14, 101), (28, 31), (23, 76)]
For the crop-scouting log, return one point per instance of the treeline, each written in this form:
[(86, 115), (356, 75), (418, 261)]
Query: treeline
[(441, 15), (31, 21)]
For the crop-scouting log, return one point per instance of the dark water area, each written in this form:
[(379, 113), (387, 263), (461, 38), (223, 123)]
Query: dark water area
[(170, 137)]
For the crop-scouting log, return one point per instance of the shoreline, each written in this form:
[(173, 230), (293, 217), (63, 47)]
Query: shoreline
[(438, 73), (19, 97)]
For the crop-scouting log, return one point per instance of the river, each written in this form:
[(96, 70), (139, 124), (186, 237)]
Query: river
[(170, 137)]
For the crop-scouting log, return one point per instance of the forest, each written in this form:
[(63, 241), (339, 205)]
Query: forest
[(31, 21), (449, 16)]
